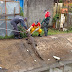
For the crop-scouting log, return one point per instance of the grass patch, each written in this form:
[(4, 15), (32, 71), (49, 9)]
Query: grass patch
[(7, 37), (53, 32), (50, 32)]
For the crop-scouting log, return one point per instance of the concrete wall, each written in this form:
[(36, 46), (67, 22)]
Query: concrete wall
[(65, 68), (33, 9)]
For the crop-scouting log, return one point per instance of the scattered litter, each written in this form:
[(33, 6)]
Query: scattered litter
[(48, 59), (35, 60), (57, 58), (27, 50), (0, 67)]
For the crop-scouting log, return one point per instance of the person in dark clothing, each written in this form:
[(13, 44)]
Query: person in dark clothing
[(46, 22), (15, 21)]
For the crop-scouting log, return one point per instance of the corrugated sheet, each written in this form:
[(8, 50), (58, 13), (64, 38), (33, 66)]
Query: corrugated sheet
[(21, 4), (9, 10)]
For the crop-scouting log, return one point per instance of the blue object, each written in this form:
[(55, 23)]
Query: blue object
[(21, 4)]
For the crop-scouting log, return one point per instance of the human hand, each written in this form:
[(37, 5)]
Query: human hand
[(28, 30)]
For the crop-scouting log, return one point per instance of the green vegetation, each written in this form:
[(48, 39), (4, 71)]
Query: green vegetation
[(7, 37), (21, 12), (60, 1), (23, 35), (53, 32), (50, 32), (55, 17)]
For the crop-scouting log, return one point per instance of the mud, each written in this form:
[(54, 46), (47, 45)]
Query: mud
[(17, 55)]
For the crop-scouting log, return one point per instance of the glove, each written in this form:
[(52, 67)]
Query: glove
[(28, 30)]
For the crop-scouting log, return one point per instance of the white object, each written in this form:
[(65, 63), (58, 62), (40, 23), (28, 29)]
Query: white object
[(35, 60), (55, 57), (1, 1), (35, 30), (28, 30), (27, 50), (62, 21), (0, 67), (64, 29), (48, 59)]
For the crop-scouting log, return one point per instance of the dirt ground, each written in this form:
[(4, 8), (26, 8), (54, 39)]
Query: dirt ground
[(16, 55)]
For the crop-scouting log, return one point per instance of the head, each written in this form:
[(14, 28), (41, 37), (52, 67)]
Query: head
[(45, 10), (25, 19), (36, 22)]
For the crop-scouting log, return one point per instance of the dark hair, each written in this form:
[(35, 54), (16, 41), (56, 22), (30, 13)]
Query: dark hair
[(25, 19), (36, 21)]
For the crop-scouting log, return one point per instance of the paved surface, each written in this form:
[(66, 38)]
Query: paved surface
[(17, 55)]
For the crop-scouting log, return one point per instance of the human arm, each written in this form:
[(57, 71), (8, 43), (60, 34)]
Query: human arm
[(23, 24), (43, 20), (30, 28)]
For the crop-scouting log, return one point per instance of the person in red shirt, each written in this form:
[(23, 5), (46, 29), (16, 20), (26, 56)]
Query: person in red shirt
[(36, 26), (46, 22), (47, 14)]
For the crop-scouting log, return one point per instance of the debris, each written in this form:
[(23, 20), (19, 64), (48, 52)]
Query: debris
[(48, 59), (0, 67), (64, 29), (35, 60), (27, 50), (57, 58)]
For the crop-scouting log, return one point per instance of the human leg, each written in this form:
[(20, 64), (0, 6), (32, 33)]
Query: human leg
[(40, 31), (45, 31), (16, 34)]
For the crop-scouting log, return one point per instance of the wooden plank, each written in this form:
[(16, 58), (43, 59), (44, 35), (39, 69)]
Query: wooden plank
[(4, 19), (14, 11), (3, 15)]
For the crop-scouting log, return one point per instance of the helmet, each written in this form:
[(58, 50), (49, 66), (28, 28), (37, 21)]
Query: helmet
[(25, 19), (45, 11), (36, 22)]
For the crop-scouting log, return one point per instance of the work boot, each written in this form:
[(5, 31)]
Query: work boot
[(39, 35)]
